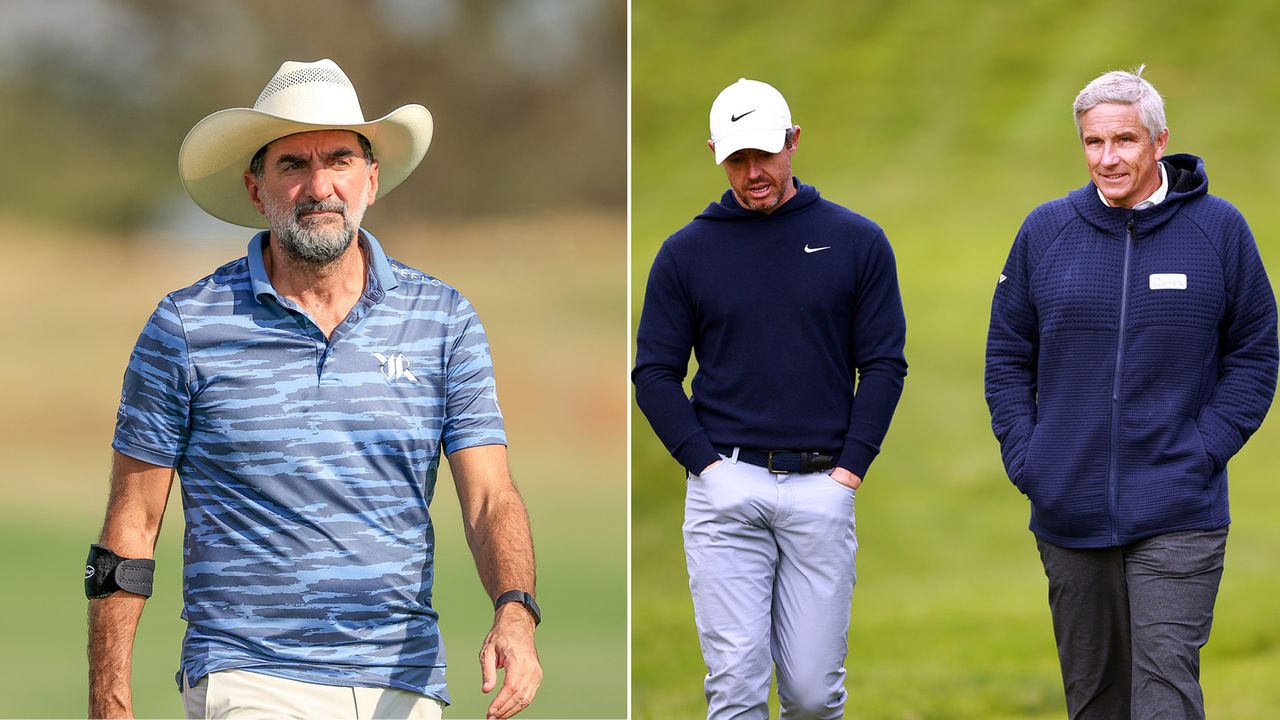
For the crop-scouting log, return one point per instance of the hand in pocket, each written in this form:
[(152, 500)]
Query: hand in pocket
[(846, 478)]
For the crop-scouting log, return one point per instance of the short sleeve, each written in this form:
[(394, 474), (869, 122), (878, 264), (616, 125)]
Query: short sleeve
[(153, 420), (472, 414)]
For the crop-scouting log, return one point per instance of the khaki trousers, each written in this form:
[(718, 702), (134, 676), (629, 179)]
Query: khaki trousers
[(245, 694)]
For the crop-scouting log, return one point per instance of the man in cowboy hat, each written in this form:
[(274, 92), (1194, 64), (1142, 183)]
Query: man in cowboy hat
[(304, 394)]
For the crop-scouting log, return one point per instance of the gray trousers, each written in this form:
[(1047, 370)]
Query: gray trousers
[(1130, 621), (771, 570)]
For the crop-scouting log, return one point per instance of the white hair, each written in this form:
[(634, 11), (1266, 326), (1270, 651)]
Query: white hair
[(1124, 88)]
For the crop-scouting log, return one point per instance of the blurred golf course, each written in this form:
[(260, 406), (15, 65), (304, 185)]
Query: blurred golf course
[(947, 123)]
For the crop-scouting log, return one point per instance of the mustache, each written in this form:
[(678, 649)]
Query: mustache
[(326, 205)]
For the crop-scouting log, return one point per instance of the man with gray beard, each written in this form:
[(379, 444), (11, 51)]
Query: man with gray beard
[(305, 394)]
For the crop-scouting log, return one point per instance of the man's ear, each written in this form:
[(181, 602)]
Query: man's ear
[(373, 183), (252, 187)]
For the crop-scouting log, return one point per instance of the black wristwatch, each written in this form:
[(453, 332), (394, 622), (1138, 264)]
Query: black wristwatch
[(523, 598)]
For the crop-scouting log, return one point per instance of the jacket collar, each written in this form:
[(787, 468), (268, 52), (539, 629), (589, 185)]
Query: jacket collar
[(1187, 179)]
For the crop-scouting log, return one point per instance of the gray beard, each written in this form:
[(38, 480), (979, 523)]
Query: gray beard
[(315, 246)]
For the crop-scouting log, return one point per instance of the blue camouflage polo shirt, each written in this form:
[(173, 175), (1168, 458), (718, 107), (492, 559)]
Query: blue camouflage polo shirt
[(307, 466)]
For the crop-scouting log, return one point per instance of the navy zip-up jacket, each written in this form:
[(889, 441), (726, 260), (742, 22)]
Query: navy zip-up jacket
[(1130, 355), (782, 312)]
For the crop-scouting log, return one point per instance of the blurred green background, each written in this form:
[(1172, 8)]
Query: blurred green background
[(520, 204), (947, 122)]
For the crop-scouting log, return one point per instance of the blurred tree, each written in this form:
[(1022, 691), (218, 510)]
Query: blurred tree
[(529, 96)]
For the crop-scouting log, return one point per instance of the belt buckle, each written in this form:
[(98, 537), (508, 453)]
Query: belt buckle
[(769, 462), (804, 461)]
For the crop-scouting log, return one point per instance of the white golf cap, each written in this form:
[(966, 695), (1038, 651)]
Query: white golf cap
[(749, 114)]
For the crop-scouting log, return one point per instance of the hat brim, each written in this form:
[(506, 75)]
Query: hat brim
[(767, 140), (216, 153)]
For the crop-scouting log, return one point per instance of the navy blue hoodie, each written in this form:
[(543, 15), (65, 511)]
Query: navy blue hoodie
[(782, 311), (1130, 355)]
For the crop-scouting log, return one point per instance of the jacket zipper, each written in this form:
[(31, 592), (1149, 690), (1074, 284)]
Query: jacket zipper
[(1113, 474)]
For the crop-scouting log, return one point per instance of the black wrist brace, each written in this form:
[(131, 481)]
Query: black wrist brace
[(106, 572)]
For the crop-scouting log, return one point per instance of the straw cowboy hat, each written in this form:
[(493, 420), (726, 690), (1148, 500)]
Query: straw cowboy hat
[(300, 97)]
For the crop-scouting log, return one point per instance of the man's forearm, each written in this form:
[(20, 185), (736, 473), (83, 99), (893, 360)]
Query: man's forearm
[(494, 519), (497, 527), (135, 509), (113, 623), (878, 391), (660, 396), (502, 544)]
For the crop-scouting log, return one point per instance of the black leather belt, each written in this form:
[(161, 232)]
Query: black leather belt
[(785, 461)]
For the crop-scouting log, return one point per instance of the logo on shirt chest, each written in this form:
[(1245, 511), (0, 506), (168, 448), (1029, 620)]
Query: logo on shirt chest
[(1167, 281), (395, 367)]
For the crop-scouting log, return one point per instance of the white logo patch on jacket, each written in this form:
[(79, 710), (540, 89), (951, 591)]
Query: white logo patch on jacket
[(1168, 281)]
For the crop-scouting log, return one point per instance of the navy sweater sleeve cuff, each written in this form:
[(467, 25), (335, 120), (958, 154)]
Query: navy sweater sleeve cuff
[(696, 452), (856, 457)]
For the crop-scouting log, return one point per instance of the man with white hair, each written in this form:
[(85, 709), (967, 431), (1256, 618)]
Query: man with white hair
[(1132, 352), (305, 394), (790, 304)]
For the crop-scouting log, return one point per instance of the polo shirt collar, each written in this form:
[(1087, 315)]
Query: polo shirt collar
[(381, 278)]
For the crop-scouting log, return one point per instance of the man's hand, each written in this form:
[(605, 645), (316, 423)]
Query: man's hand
[(497, 528), (509, 645), (707, 469), (846, 478)]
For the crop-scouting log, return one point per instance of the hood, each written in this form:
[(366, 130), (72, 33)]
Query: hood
[(729, 209), (1187, 180)]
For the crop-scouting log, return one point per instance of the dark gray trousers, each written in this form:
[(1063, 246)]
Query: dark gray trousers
[(1130, 621)]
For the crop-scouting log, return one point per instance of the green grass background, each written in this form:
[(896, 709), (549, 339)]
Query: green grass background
[(550, 291), (947, 122)]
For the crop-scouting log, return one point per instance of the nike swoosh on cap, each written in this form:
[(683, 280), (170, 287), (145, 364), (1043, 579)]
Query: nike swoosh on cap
[(814, 250), (736, 118)]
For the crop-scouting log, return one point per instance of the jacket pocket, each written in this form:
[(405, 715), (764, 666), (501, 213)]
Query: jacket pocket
[(1209, 467), (1028, 456), (1166, 477), (1065, 478), (715, 467)]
